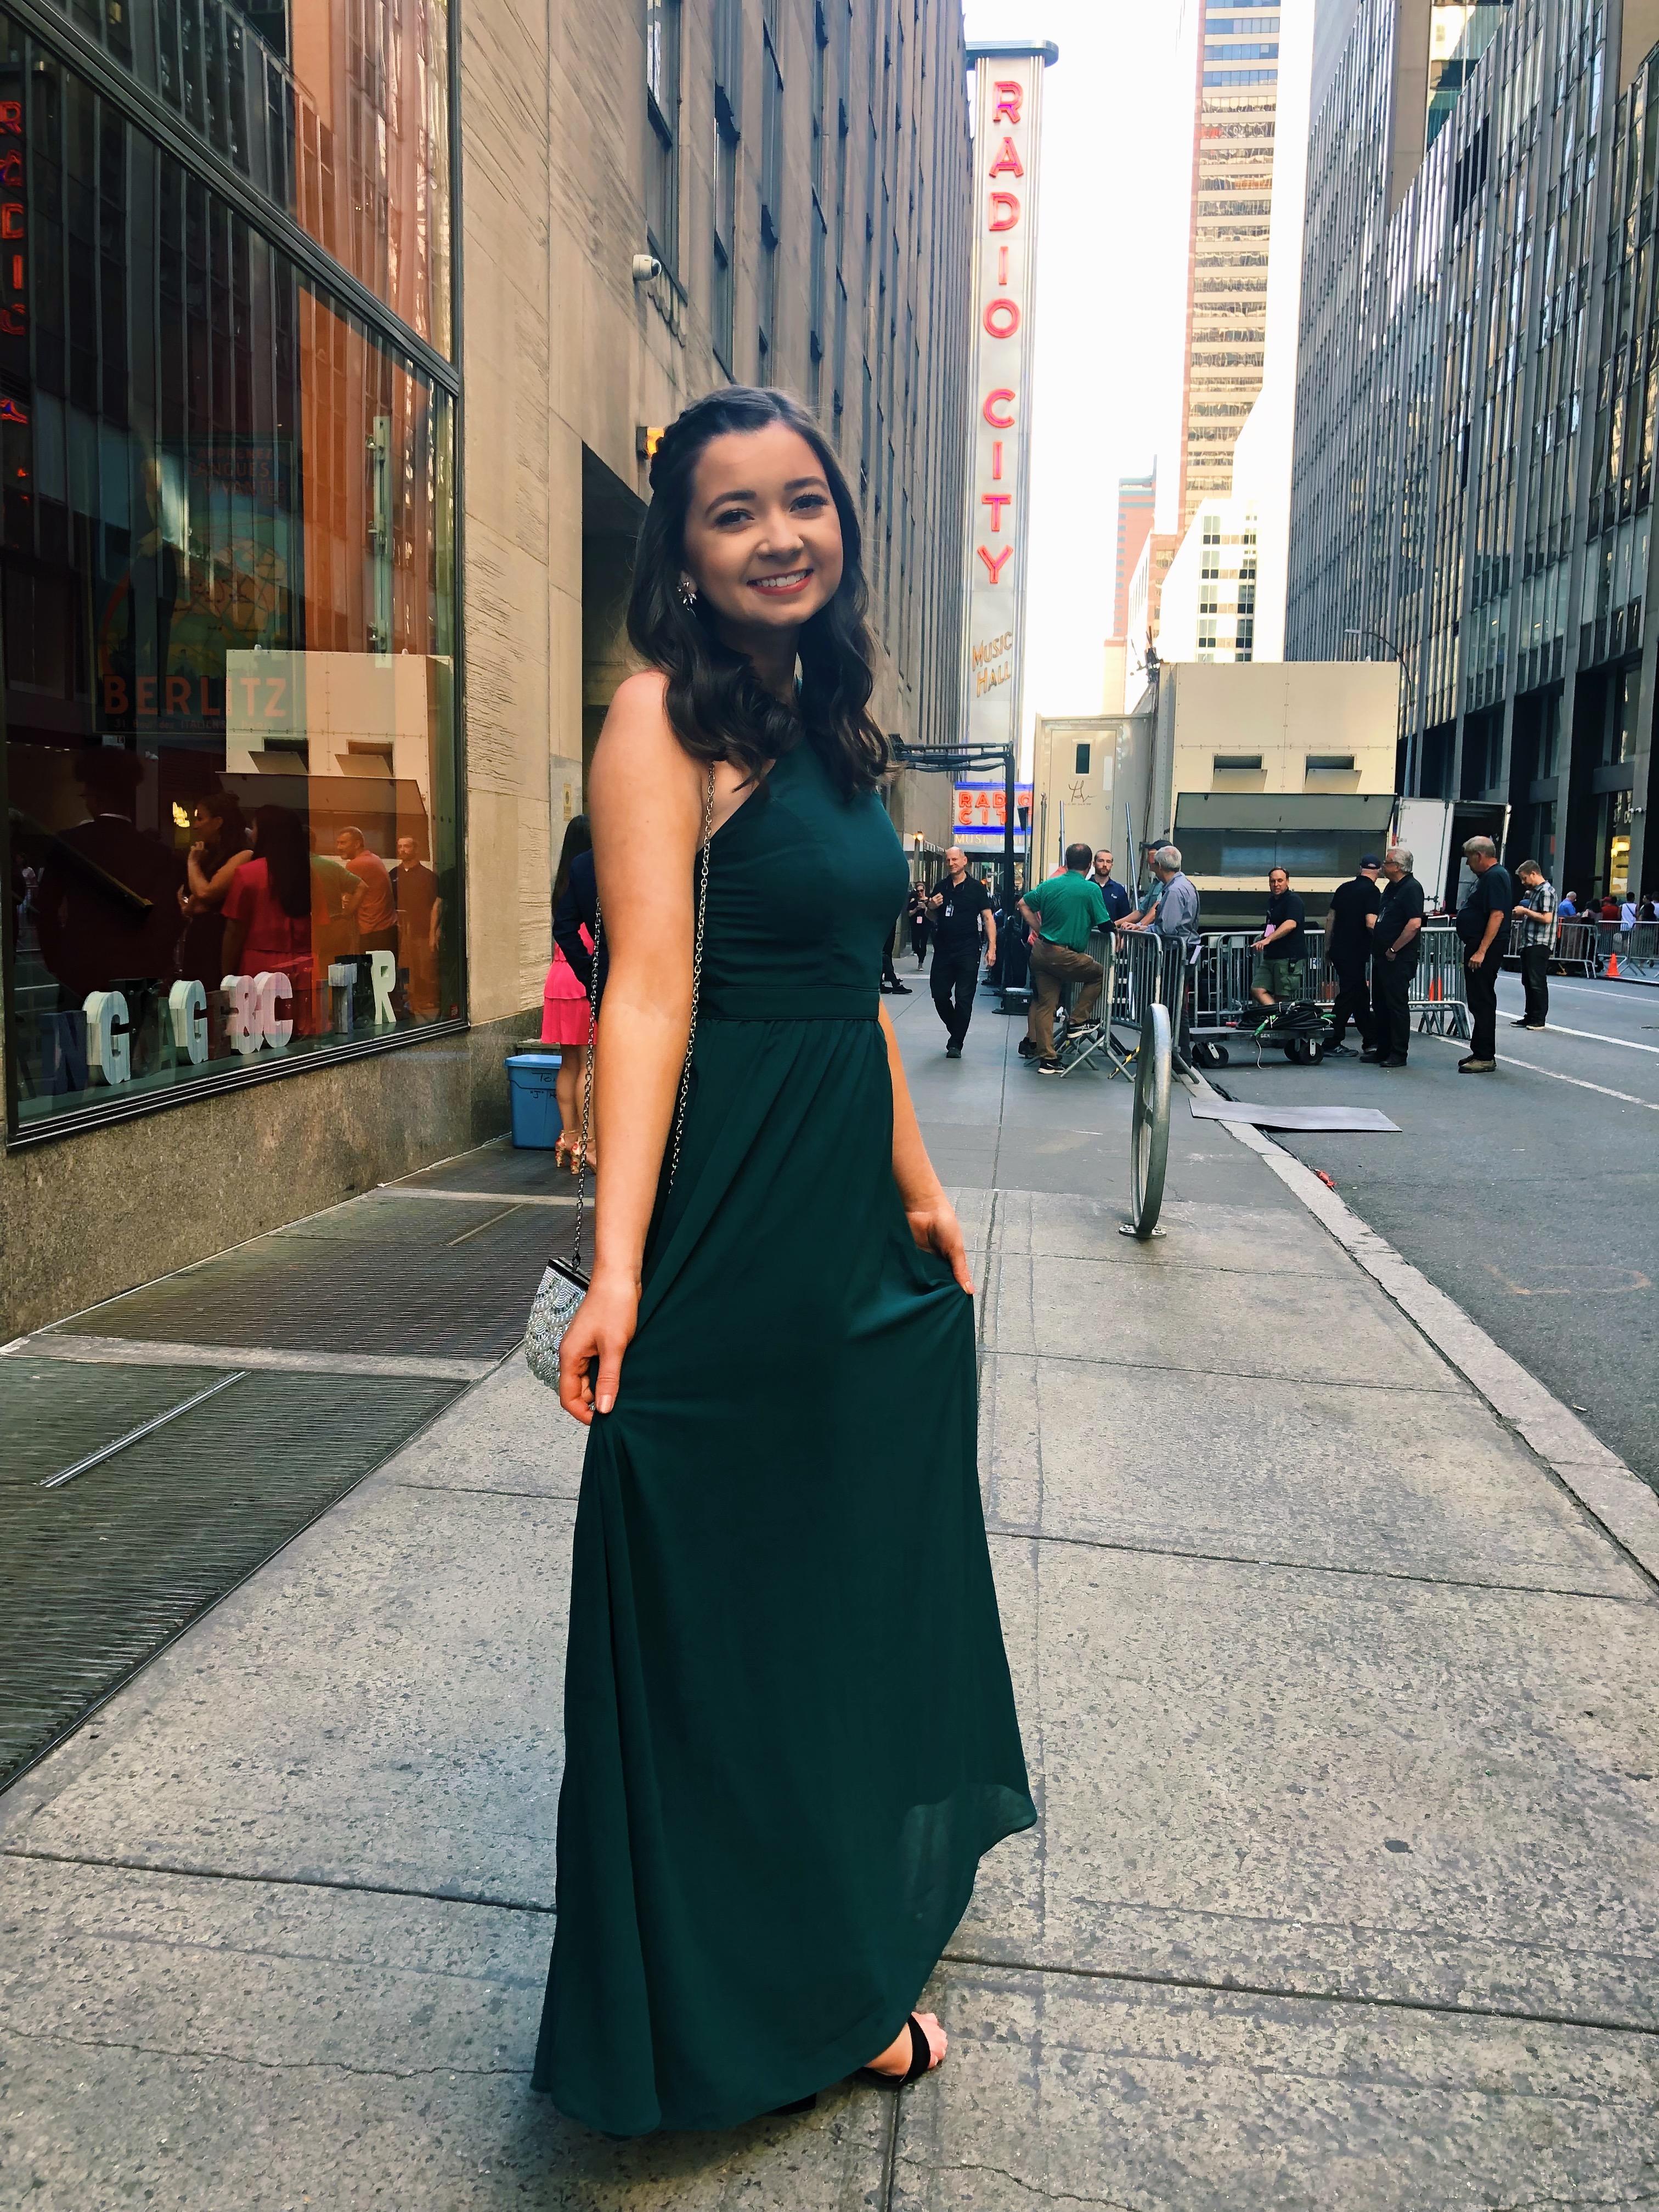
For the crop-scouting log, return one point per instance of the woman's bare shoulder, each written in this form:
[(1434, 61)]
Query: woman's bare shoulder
[(637, 748)]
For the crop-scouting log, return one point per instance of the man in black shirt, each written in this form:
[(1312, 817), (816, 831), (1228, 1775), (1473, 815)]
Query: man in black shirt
[(1483, 924), (1279, 950), (1395, 953), (1349, 921), (954, 910)]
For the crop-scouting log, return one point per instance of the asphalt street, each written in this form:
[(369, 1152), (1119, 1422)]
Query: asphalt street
[(1531, 1196)]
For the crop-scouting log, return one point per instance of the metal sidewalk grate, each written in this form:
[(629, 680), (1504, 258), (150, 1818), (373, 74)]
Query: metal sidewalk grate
[(96, 1574), (384, 1275)]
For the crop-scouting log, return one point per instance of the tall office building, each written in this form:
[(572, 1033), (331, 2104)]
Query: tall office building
[(1475, 411), (1136, 499), (1228, 54)]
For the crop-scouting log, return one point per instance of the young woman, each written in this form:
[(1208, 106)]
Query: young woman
[(790, 1733), (565, 1021), (221, 846), (268, 910)]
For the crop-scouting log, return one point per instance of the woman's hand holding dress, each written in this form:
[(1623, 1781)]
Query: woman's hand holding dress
[(602, 1328), (934, 1225)]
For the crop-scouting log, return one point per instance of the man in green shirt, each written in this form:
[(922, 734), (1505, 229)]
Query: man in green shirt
[(1062, 913)]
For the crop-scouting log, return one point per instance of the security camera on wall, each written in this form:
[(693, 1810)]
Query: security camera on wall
[(647, 268)]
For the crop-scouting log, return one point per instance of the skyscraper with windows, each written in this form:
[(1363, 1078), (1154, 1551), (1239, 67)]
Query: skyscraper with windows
[(1475, 407), (1228, 54)]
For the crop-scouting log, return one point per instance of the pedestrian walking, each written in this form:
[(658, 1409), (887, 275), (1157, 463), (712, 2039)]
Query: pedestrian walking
[(773, 1805), (919, 922), (1483, 927), (1532, 927), (959, 912), (1350, 921), (1395, 952), (1117, 894), (890, 981), (566, 1020), (1277, 974), (1061, 912)]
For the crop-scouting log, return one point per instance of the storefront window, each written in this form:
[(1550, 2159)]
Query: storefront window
[(227, 614), (335, 111)]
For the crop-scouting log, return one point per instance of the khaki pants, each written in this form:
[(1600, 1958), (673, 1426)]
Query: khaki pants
[(1053, 966)]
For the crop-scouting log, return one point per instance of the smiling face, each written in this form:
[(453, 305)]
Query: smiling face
[(763, 539)]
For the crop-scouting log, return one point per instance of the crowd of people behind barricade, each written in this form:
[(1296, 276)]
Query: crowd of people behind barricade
[(1372, 946)]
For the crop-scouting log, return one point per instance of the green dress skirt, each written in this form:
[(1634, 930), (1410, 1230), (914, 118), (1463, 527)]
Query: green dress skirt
[(790, 1732)]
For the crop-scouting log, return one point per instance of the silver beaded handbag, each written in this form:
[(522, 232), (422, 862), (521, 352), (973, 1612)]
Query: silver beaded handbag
[(564, 1283)]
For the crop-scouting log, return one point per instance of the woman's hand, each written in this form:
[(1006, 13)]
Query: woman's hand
[(934, 1225), (602, 1328)]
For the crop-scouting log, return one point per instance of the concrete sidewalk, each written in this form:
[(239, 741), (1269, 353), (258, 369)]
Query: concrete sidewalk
[(1339, 1709)]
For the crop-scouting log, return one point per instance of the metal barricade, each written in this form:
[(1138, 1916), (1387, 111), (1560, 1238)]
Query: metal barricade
[(1636, 952), (1575, 948)]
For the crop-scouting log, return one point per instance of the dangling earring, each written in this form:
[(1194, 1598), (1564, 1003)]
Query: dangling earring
[(688, 593)]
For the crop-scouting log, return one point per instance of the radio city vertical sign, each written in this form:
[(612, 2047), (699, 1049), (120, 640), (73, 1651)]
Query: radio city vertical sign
[(1008, 107)]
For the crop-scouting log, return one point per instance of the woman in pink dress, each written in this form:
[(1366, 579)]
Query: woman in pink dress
[(565, 1021)]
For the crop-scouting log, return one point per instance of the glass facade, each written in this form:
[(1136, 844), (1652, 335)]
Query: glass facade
[(228, 576), (335, 112), (1475, 414)]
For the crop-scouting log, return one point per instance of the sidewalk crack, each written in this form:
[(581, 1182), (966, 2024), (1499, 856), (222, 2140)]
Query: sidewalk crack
[(1032, 2188), (265, 2065)]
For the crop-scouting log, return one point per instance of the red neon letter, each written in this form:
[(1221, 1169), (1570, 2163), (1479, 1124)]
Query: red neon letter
[(1007, 162), (11, 221), (996, 399), (996, 460), (1009, 96), (1001, 318), (11, 116), (1004, 211), (996, 500), (994, 561)]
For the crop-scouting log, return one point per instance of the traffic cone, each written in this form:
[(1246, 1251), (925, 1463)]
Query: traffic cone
[(1613, 967)]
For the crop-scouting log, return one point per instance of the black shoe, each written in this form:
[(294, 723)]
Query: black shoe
[(1393, 1059), (1048, 1067), (1339, 1051), (1371, 1053), (1027, 1049), (953, 1052), (899, 990)]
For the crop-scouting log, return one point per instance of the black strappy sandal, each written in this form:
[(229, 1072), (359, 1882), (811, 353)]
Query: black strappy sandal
[(921, 2060)]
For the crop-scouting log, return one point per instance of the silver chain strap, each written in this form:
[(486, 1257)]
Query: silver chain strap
[(692, 1035)]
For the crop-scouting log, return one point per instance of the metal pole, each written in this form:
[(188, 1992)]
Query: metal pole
[(1010, 766)]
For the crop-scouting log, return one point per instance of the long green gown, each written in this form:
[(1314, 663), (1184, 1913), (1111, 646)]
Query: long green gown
[(790, 1732)]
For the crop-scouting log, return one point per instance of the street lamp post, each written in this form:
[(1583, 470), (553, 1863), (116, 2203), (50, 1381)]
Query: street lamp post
[(1400, 657)]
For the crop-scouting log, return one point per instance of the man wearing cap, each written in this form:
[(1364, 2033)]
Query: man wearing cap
[(1151, 897), (1350, 919)]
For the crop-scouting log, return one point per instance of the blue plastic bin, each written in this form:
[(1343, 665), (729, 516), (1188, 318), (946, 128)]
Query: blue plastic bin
[(531, 1077)]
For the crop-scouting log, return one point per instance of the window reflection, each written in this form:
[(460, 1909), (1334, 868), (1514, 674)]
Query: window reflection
[(226, 587), (335, 111)]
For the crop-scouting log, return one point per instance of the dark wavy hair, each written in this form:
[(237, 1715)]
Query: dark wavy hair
[(718, 708), (279, 842), (578, 838)]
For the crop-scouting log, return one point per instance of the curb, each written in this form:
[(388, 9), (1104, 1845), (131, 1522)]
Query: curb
[(1618, 1500)]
